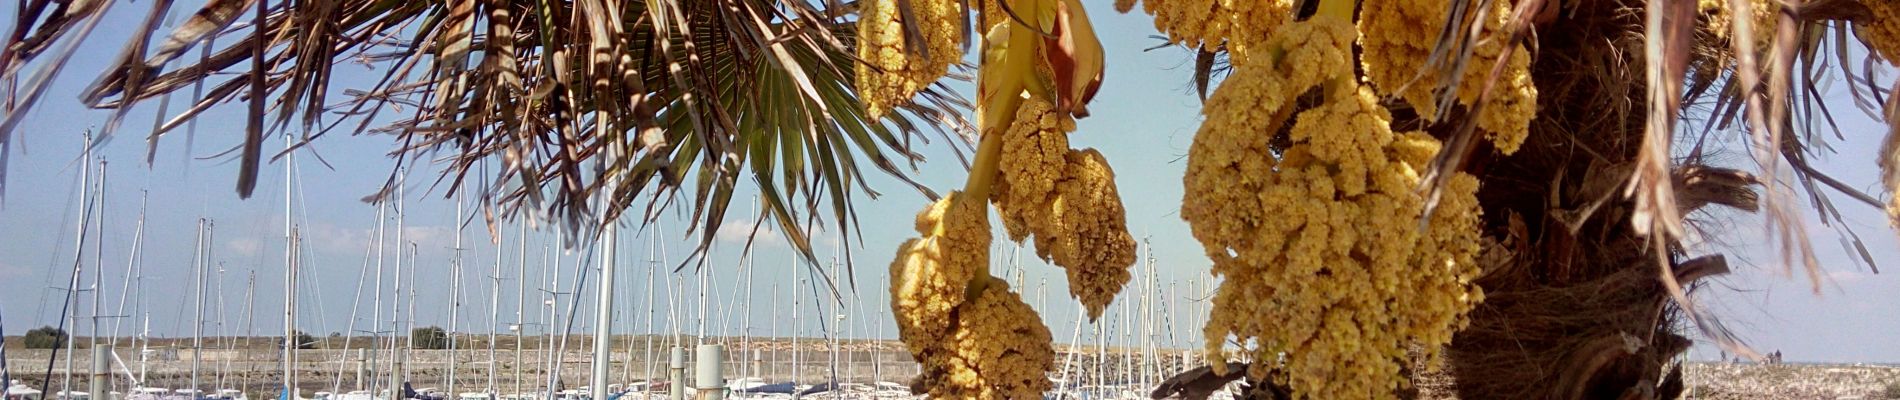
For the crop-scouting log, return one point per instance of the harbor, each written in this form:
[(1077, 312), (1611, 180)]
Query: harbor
[(866, 369)]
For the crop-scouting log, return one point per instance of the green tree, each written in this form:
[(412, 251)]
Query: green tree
[(305, 341), (430, 338), (45, 337)]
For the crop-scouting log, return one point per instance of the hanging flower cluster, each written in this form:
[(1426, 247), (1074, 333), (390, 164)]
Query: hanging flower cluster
[(974, 338), (1212, 24), (1882, 32), (1397, 47), (1067, 199), (1316, 241), (892, 71)]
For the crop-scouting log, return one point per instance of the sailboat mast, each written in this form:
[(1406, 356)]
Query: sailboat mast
[(250, 294), (131, 264), (552, 298), (1152, 368), (145, 340), (455, 297), (79, 254), (604, 306), (407, 327), (198, 300), (774, 334), (376, 304), (703, 271), (837, 311), (290, 275), (222, 330), (494, 312), (745, 338), (409, 320), (136, 267), (633, 323), (396, 358), (521, 301), (290, 315), (796, 331), (653, 265), (96, 385), (395, 295)]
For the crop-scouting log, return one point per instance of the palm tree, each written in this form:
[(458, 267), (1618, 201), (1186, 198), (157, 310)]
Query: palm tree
[(538, 106), (1585, 272)]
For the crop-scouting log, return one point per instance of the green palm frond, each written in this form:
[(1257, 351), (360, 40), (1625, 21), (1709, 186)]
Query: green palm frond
[(576, 101)]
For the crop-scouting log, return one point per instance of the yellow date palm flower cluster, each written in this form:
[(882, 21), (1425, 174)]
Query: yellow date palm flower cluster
[(1762, 19), (1212, 24), (1316, 245), (1889, 163), (930, 273), (1030, 89), (974, 337), (999, 350), (1068, 200), (1397, 47), (1882, 32), (893, 71)]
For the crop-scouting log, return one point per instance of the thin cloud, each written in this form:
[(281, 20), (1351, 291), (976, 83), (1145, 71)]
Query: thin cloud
[(735, 233), (243, 247), (11, 272)]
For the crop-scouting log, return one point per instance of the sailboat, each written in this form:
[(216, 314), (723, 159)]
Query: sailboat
[(20, 391)]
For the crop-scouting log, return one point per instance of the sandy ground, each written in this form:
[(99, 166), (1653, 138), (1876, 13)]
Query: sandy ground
[(1791, 381)]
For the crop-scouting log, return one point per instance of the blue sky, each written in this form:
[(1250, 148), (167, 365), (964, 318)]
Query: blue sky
[(1144, 119)]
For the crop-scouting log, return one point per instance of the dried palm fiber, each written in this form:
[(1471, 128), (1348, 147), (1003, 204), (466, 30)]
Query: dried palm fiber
[(1594, 339), (893, 69), (1397, 62), (1568, 285)]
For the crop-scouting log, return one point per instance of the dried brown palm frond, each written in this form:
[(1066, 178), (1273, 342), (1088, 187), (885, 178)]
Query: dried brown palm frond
[(576, 101)]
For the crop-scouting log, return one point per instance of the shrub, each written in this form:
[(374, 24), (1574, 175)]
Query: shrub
[(430, 338), (45, 337)]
